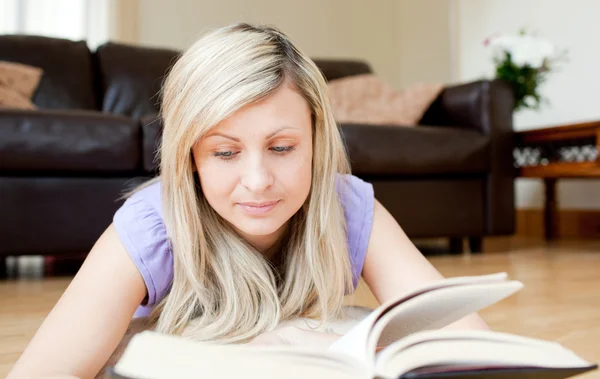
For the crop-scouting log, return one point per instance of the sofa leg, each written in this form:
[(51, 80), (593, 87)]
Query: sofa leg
[(456, 246), (476, 245), (3, 268)]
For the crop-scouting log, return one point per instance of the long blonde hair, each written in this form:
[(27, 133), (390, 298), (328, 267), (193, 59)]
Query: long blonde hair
[(223, 288)]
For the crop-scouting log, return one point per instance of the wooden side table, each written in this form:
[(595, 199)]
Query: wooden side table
[(552, 153)]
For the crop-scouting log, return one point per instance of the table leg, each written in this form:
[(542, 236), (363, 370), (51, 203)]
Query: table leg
[(550, 210)]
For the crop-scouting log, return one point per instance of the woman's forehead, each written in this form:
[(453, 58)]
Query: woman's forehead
[(285, 108)]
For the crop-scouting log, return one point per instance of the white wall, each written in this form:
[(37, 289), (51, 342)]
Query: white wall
[(572, 92), (425, 47), (329, 29), (123, 20)]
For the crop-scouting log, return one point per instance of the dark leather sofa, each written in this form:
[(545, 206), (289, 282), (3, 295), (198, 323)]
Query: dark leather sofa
[(63, 167)]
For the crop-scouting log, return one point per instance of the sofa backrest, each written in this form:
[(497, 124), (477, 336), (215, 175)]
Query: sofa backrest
[(116, 78), (67, 81), (339, 68), (131, 77)]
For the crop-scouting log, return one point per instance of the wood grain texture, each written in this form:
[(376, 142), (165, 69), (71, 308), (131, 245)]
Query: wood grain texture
[(560, 300), (573, 170), (571, 223), (559, 132), (565, 133)]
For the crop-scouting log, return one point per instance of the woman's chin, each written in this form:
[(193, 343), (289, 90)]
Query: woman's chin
[(256, 228)]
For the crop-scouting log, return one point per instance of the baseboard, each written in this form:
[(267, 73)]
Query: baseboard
[(572, 223)]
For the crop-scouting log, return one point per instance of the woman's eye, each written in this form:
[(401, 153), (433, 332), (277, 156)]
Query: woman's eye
[(281, 149), (228, 155), (225, 155)]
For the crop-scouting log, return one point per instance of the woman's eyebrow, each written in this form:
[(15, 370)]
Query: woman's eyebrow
[(238, 140)]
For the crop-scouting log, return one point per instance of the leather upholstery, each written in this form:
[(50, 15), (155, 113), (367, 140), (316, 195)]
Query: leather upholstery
[(56, 215), (152, 132), (131, 77), (421, 204), (337, 68), (67, 141), (487, 107), (396, 150)]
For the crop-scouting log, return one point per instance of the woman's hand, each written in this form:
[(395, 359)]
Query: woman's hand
[(294, 336)]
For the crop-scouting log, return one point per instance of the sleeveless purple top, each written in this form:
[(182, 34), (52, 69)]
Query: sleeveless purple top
[(141, 229)]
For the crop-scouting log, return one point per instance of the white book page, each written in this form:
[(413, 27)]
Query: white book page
[(475, 353), (355, 342), (158, 356), (436, 309), (453, 335)]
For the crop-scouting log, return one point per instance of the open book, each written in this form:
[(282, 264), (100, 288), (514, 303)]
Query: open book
[(399, 339)]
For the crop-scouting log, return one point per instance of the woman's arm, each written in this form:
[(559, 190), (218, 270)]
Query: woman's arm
[(394, 265), (89, 320)]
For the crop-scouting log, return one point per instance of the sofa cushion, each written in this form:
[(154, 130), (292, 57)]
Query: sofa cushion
[(67, 82), (395, 150), (132, 77), (65, 142)]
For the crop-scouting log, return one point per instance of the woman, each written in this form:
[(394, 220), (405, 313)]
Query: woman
[(254, 220)]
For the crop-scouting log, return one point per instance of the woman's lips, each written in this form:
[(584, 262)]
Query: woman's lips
[(258, 210)]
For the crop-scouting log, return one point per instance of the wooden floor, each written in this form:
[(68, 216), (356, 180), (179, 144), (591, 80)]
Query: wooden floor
[(560, 300)]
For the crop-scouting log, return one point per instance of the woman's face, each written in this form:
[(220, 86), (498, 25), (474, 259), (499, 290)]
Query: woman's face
[(255, 166)]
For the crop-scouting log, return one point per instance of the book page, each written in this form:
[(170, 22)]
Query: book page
[(436, 309), (482, 335), (158, 356), (406, 310), (477, 353), (355, 342)]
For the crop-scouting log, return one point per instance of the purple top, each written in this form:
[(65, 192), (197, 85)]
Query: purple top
[(141, 229)]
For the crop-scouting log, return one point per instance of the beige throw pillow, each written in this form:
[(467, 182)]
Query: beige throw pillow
[(366, 99), (11, 99), (18, 82)]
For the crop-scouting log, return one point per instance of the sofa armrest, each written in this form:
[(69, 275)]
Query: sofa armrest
[(483, 105), (67, 141), (487, 107)]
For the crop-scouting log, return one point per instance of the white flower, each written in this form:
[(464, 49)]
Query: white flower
[(529, 101), (524, 49)]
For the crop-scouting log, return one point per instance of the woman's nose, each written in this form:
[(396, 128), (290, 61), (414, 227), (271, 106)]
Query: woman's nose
[(256, 176)]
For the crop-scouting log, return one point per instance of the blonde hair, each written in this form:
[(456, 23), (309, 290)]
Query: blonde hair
[(223, 288)]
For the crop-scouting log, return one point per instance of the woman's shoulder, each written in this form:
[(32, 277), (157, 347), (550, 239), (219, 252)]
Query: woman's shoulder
[(358, 200), (149, 196), (140, 226), (352, 188)]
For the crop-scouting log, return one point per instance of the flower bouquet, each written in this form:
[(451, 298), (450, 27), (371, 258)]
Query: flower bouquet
[(524, 61)]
